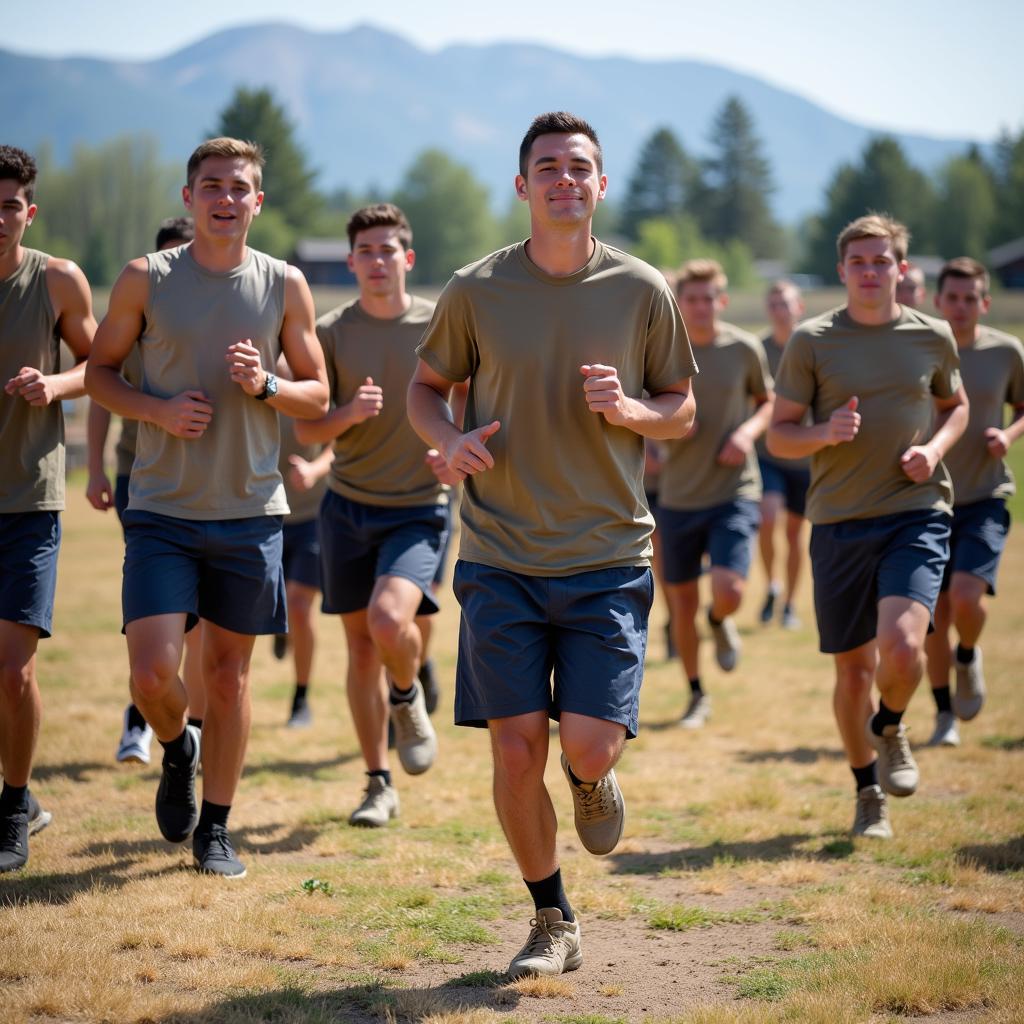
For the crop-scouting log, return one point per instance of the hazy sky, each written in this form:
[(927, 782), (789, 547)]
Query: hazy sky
[(938, 68)]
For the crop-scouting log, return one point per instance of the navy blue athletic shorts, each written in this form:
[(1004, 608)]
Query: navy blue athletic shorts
[(302, 553), (977, 541), (29, 542), (725, 532), (789, 481)]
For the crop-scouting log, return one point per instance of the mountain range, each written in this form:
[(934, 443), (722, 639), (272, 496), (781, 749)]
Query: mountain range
[(365, 102)]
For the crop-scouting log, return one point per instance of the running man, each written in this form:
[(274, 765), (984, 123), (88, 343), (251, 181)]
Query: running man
[(992, 365), (136, 735), (875, 375), (911, 289), (710, 485), (383, 519), (206, 500), (559, 336), (42, 301), (785, 481)]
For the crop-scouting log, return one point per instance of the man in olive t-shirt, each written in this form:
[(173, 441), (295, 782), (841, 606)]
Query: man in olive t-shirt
[(560, 336), (710, 485), (883, 385), (992, 366), (42, 301), (383, 519)]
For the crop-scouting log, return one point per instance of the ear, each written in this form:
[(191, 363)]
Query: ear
[(351, 263), (521, 192), (603, 189), (259, 204), (841, 271), (30, 213), (186, 196), (410, 259)]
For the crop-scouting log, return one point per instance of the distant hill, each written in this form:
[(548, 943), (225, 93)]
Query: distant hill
[(366, 101)]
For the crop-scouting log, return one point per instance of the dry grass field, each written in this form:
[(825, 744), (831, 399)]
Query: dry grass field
[(735, 896)]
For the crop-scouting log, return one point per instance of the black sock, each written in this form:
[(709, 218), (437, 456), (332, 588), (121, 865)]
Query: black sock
[(886, 716), (196, 723), (942, 697), (965, 655), (178, 751), (713, 620), (381, 773), (426, 670), (399, 695), (135, 719), (695, 687), (866, 776), (212, 814), (548, 892), (299, 700), (576, 781), (13, 799)]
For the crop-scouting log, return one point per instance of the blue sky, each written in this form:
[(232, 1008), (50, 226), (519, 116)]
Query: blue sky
[(939, 68)]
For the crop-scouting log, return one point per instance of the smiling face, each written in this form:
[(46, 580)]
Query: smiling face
[(16, 213), (871, 270), (562, 184), (223, 197), (380, 262)]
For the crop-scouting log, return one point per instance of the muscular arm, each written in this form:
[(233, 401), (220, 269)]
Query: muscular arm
[(667, 414), (98, 490), (790, 438), (741, 440)]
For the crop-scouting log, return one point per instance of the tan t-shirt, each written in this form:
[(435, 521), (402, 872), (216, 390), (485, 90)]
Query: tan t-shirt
[(566, 491), (304, 505), (896, 370), (124, 451), (192, 316), (993, 373), (733, 371), (773, 352), (381, 460), (31, 437)]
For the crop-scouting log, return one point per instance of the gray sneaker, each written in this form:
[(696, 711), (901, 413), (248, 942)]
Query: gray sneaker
[(552, 948), (897, 769), (600, 811), (379, 806), (872, 816), (38, 819), (790, 619), (697, 712), (727, 642), (947, 732), (415, 739), (970, 687)]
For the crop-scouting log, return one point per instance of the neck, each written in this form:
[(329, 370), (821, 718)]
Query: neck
[(780, 337), (10, 261), (966, 336), (220, 254), (703, 335), (873, 316), (385, 307), (560, 253)]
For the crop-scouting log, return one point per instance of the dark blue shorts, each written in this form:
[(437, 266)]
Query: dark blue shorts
[(977, 541), (726, 532), (590, 629), (121, 496), (227, 571), (857, 562), (29, 542), (360, 543), (446, 547), (301, 558), (789, 481)]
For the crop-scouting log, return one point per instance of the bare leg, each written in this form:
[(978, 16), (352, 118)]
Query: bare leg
[(367, 691), (192, 671), (21, 707), (771, 506), (301, 599), (592, 746), (967, 606), (794, 553), (936, 645), (683, 604), (390, 619), (851, 701), (726, 592), (902, 627), (154, 653)]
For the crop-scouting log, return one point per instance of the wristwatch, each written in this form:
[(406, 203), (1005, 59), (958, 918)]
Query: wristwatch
[(269, 388)]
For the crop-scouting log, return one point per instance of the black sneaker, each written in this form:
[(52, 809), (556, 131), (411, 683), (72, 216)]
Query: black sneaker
[(280, 645), (213, 854), (38, 819), (768, 608), (431, 691), (301, 716), (13, 840), (177, 813)]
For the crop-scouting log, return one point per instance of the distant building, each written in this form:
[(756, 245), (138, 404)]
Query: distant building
[(1006, 263), (324, 261)]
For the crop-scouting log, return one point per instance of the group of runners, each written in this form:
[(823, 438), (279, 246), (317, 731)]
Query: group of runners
[(267, 456)]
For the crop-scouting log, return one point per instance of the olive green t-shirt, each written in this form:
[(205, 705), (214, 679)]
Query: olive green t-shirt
[(993, 373), (304, 505), (380, 461), (773, 352), (192, 316), (896, 370), (733, 371), (124, 451), (566, 491), (31, 437)]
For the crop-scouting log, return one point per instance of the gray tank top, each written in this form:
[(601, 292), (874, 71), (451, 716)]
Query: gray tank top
[(192, 316)]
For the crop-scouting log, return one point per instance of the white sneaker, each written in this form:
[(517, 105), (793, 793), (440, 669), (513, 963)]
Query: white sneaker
[(552, 948), (897, 769), (697, 712), (872, 816), (415, 739), (379, 806), (970, 687), (727, 642), (947, 732), (135, 742)]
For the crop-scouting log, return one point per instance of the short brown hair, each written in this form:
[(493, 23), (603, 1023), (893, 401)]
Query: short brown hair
[(875, 225), (225, 146), (701, 270), (557, 122), (964, 267), (781, 286), (379, 215), (175, 229), (17, 165)]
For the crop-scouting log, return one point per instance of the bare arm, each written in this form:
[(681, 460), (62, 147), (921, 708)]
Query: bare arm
[(740, 442), (667, 414), (919, 461), (790, 438), (98, 490), (367, 401), (999, 439), (306, 473)]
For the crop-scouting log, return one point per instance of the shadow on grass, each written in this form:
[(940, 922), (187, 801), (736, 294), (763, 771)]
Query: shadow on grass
[(76, 771), (245, 839), (300, 769), (358, 1003), (798, 755), (995, 857), (62, 887)]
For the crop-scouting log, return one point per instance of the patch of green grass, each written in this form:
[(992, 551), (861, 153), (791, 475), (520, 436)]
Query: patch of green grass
[(764, 984), (477, 979), (998, 742), (788, 940), (680, 918), (836, 849), (320, 885)]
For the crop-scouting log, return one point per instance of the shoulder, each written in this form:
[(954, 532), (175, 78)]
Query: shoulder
[(420, 310), (730, 334), (915, 320), (817, 327), (495, 264), (332, 321), (993, 338), (646, 278)]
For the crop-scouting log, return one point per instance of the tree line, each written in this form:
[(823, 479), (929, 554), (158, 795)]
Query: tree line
[(103, 207)]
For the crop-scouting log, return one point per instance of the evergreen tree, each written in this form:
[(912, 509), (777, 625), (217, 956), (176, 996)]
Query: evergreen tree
[(1008, 172), (966, 208), (663, 183)]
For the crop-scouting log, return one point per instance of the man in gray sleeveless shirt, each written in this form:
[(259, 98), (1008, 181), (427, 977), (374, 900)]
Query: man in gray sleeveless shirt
[(206, 500), (42, 300)]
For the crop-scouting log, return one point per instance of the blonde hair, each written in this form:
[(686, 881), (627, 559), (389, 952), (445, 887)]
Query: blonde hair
[(701, 270), (875, 225), (225, 146)]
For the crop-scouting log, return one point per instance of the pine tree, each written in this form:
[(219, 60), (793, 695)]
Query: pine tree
[(663, 185)]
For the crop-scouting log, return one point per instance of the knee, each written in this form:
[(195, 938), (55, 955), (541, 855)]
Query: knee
[(855, 679), (964, 602), (386, 626), (151, 677), (226, 681), (902, 654), (517, 759), (300, 608), (686, 602), (15, 681), (591, 761), (362, 657), (728, 593)]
